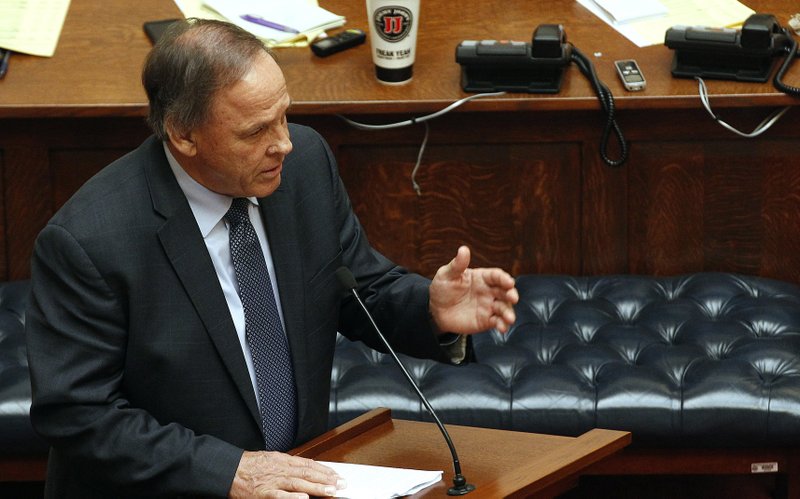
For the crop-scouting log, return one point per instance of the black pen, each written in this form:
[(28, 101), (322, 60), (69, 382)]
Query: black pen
[(4, 62)]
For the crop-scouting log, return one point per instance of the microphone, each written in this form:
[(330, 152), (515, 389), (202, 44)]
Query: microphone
[(460, 486)]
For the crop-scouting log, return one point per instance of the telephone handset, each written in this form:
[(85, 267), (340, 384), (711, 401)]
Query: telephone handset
[(515, 66), (746, 54)]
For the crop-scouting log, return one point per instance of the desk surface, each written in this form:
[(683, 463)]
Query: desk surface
[(96, 67)]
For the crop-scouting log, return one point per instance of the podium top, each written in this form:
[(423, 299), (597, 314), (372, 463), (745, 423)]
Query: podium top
[(499, 463)]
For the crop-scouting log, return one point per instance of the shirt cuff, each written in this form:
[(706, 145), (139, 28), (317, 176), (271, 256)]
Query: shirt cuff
[(454, 346)]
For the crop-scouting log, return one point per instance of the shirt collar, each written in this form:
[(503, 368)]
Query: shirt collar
[(207, 206)]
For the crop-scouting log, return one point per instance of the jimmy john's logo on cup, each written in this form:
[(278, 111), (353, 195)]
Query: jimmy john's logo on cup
[(393, 23), (393, 26)]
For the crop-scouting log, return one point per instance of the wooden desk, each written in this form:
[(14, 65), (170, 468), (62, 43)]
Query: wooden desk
[(517, 177)]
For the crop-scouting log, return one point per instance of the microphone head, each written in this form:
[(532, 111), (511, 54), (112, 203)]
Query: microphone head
[(346, 278)]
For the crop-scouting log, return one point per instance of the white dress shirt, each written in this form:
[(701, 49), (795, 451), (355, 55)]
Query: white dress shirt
[(209, 209)]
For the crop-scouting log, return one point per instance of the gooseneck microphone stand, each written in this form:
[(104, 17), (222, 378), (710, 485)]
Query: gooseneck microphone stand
[(460, 486)]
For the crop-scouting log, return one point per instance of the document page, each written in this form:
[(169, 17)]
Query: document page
[(32, 26), (276, 20), (651, 30), (199, 9), (623, 11), (379, 482)]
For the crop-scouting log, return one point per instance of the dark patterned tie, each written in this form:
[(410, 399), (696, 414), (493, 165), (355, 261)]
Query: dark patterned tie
[(265, 336)]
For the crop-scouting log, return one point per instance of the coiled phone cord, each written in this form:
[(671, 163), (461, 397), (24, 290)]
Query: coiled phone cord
[(607, 101), (778, 80)]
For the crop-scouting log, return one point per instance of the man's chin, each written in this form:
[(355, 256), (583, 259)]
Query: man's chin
[(264, 189)]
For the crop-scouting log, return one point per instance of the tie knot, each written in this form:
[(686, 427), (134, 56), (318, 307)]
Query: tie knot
[(237, 213)]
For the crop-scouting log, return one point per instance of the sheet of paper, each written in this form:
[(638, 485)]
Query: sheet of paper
[(303, 17), (623, 11), (379, 482), (651, 31), (32, 26), (197, 8)]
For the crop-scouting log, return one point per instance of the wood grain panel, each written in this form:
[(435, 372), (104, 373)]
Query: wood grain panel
[(45, 161), (516, 205), (604, 247), (717, 205), (665, 209), (71, 168), (27, 202)]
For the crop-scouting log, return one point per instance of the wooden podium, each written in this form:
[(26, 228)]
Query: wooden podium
[(499, 463)]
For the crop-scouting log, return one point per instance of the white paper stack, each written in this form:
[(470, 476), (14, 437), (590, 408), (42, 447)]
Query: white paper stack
[(624, 11), (380, 482), (307, 19), (649, 30)]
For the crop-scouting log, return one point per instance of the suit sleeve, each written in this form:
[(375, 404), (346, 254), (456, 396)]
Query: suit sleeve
[(77, 335)]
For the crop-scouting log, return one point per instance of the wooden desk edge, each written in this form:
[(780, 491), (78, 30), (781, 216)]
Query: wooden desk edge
[(343, 433), (507, 103), (516, 483)]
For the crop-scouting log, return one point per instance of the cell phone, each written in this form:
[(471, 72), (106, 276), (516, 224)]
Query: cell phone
[(336, 43), (154, 29), (630, 74)]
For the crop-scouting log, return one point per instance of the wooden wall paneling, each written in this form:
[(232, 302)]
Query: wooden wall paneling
[(665, 209), (734, 196), (28, 195), (45, 162), (717, 205), (781, 216), (592, 214), (515, 205), (604, 220), (71, 168)]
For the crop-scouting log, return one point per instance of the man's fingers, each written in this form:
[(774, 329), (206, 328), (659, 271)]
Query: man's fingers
[(503, 315), (498, 278), (500, 285), (309, 487), (318, 473), (273, 474)]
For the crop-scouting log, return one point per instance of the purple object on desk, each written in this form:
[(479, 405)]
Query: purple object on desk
[(268, 24), (5, 55)]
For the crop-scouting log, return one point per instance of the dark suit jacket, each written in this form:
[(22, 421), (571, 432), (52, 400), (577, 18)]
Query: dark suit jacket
[(139, 382)]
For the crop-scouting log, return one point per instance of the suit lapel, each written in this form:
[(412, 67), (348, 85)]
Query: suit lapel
[(185, 248), (282, 231)]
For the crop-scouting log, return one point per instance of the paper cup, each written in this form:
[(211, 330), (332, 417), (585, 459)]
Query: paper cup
[(393, 37)]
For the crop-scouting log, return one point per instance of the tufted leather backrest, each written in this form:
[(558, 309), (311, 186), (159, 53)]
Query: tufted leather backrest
[(16, 433), (700, 359)]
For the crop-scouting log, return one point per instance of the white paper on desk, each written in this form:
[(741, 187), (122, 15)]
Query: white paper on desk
[(198, 9), (623, 11), (32, 26), (379, 482), (304, 17), (651, 31)]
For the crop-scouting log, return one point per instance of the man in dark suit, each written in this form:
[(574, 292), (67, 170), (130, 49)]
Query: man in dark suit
[(144, 380)]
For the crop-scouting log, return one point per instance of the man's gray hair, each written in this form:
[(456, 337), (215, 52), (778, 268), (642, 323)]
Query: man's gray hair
[(192, 60)]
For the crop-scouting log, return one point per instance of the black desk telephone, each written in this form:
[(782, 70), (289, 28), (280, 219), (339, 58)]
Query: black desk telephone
[(535, 67), (515, 66), (746, 54)]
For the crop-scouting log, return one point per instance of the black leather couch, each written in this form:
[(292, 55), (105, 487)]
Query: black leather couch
[(704, 366), (703, 369)]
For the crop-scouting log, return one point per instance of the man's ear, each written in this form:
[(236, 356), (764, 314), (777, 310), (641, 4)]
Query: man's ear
[(181, 140)]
